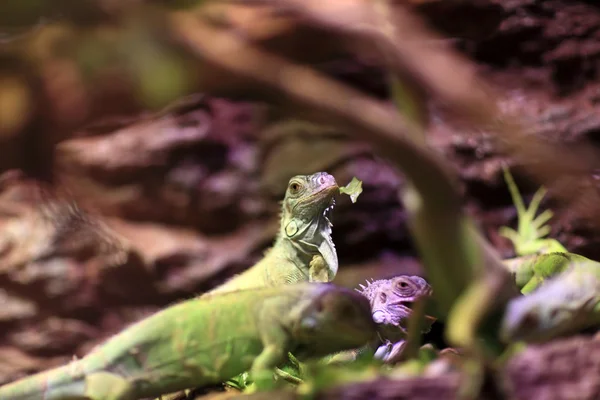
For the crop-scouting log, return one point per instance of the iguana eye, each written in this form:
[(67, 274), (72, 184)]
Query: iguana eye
[(294, 187), (403, 285)]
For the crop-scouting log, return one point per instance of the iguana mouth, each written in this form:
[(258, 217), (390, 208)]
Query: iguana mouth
[(318, 197), (404, 304)]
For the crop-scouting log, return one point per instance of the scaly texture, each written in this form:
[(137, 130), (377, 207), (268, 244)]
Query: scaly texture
[(531, 271), (563, 297), (209, 340), (391, 301), (303, 250)]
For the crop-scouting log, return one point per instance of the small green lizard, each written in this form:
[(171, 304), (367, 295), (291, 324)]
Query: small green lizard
[(209, 340), (303, 249), (563, 297)]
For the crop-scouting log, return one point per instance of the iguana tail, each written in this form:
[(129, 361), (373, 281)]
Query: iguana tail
[(56, 384)]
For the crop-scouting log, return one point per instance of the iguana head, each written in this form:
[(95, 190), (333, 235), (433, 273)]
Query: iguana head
[(336, 319), (564, 304), (307, 205), (391, 299)]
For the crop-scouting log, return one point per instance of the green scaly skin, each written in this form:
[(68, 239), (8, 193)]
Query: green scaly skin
[(193, 344), (303, 250), (532, 271), (563, 297)]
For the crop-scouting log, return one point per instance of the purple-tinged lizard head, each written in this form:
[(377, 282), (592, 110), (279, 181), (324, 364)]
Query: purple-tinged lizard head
[(336, 319), (308, 202), (564, 304), (391, 300)]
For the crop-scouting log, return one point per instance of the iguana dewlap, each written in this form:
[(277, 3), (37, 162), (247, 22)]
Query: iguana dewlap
[(209, 340), (303, 250)]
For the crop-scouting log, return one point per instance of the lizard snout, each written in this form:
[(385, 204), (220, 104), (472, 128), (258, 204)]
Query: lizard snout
[(324, 179), (379, 316)]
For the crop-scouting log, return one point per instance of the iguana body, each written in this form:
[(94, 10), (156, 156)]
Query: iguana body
[(532, 271), (209, 340), (563, 296), (562, 290), (303, 250)]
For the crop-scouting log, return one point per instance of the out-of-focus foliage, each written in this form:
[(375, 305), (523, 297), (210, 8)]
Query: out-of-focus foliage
[(529, 237)]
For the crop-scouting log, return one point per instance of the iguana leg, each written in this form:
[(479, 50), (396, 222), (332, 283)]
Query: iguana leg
[(318, 270), (275, 344), (533, 284), (343, 356), (394, 353), (107, 386), (263, 366), (383, 351)]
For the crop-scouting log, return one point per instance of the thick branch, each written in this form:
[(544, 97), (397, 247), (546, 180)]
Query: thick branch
[(320, 96)]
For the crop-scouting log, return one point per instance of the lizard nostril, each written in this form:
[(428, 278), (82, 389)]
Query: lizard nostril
[(322, 180)]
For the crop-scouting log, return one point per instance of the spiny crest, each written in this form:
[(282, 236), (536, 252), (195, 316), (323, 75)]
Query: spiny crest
[(371, 288), (327, 213)]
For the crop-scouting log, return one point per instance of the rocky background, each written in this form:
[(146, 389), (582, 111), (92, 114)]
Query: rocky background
[(182, 199)]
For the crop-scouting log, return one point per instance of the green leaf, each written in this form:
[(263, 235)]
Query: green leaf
[(353, 189)]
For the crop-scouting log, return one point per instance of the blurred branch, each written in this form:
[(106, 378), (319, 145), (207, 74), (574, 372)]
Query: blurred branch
[(411, 49), (325, 99), (568, 171)]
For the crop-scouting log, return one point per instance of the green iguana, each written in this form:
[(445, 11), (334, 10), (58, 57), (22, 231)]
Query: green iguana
[(562, 297), (562, 290), (303, 249), (209, 340)]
